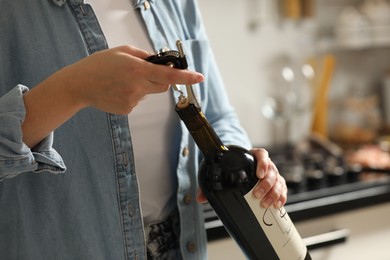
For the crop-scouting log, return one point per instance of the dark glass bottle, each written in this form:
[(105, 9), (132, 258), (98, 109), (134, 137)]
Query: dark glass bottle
[(227, 176)]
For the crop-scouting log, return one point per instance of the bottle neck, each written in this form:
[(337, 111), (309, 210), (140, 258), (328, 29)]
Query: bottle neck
[(202, 132)]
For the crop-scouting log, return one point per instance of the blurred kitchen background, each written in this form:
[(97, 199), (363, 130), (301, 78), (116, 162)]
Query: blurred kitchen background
[(310, 80)]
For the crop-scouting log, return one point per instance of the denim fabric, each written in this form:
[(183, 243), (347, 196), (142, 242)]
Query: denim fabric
[(90, 209)]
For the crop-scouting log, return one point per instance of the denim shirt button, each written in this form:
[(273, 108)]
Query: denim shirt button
[(146, 5), (185, 151), (191, 247), (187, 199)]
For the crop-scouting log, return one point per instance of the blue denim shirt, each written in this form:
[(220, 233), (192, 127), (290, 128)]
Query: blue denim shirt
[(89, 209)]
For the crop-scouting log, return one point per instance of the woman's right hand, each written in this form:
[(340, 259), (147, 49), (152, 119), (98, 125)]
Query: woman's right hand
[(115, 80), (112, 80)]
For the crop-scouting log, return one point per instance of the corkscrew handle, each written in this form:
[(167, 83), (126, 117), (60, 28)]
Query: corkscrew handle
[(170, 58), (176, 59)]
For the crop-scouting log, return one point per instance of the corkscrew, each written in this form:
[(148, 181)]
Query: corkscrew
[(178, 60)]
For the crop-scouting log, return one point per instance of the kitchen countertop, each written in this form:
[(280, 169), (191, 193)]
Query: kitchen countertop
[(354, 236), (336, 199), (327, 201)]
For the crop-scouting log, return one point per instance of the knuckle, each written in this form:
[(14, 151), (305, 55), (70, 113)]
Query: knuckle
[(171, 78), (124, 48), (262, 152), (266, 184)]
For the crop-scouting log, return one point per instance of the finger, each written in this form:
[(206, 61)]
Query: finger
[(283, 197), (265, 185), (133, 51), (263, 161), (161, 74), (155, 88), (277, 195)]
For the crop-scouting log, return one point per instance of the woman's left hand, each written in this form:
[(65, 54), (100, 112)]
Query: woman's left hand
[(271, 188)]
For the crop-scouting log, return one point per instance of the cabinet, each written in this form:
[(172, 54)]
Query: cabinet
[(353, 24), (357, 34), (368, 228)]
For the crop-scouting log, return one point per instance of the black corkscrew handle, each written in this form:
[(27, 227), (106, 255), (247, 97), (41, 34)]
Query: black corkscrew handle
[(171, 58)]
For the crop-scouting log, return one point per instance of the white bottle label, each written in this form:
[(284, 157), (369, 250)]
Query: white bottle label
[(279, 230)]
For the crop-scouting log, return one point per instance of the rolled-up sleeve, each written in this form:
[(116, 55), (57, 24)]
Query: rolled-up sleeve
[(15, 156)]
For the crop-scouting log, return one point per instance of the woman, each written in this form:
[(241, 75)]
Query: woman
[(71, 105)]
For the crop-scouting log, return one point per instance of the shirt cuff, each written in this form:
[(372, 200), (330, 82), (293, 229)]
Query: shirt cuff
[(15, 156)]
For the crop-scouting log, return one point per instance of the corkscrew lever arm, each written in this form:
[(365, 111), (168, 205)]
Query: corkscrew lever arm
[(190, 92)]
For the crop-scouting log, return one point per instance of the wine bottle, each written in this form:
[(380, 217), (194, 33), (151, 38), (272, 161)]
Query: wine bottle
[(227, 176)]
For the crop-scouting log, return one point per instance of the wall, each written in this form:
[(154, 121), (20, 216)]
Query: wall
[(244, 57)]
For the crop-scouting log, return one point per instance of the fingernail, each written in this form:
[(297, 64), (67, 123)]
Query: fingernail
[(261, 173), (266, 203), (200, 77), (278, 204), (259, 193)]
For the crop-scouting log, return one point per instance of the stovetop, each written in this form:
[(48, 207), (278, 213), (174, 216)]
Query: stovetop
[(317, 173)]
